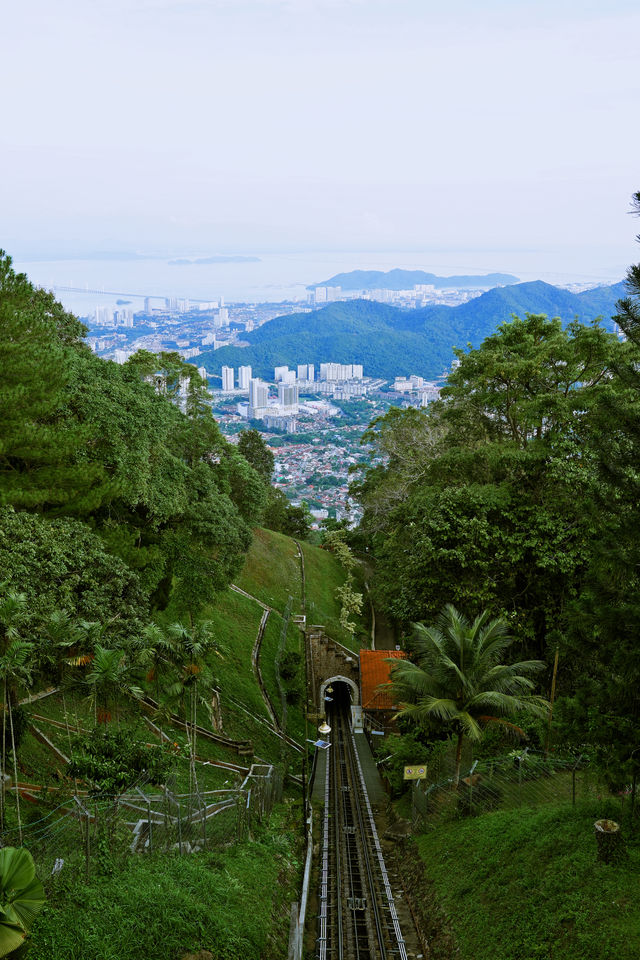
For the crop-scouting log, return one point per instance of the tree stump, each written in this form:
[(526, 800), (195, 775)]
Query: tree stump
[(611, 847)]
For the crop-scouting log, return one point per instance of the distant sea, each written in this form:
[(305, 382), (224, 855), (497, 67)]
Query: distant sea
[(273, 278)]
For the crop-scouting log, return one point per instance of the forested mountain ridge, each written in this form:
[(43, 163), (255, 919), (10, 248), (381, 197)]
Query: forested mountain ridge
[(390, 342), (405, 279)]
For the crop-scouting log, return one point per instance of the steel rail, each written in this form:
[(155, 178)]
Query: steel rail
[(402, 948), (357, 892), (357, 918), (359, 790)]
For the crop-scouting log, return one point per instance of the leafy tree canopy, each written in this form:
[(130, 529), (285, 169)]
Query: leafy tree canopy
[(257, 453), (480, 500)]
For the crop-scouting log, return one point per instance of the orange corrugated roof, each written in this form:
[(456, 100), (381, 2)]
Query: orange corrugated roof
[(374, 670)]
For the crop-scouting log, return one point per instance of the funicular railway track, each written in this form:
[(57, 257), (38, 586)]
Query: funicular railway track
[(357, 918)]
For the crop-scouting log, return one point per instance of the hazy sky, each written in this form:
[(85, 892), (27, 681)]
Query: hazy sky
[(257, 125)]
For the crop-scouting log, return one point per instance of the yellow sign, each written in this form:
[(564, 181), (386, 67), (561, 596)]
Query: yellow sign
[(415, 772)]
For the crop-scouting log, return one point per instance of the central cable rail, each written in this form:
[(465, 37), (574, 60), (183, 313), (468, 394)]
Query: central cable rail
[(357, 917)]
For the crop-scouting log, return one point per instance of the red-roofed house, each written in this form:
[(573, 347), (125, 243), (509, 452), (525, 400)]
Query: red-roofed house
[(375, 670)]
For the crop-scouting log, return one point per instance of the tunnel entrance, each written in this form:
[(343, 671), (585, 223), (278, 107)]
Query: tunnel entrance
[(342, 687), (345, 698)]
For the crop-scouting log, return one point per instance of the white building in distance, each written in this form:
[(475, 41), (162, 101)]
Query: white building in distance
[(228, 379), (306, 371), (244, 377), (341, 371), (288, 397), (258, 398)]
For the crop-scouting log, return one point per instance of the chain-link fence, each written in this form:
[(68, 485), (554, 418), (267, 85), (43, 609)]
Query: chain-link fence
[(84, 834), (522, 779)]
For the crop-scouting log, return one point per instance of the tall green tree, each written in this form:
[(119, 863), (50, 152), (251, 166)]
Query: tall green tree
[(457, 677), (256, 452), (193, 648), (109, 680), (39, 443), (604, 707), (480, 501)]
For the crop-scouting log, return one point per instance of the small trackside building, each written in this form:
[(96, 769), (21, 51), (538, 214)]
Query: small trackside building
[(375, 671)]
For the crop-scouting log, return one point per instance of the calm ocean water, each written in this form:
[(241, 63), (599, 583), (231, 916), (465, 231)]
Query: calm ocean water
[(275, 277)]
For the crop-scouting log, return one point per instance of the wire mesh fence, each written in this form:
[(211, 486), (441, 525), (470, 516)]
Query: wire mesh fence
[(522, 779), (86, 834)]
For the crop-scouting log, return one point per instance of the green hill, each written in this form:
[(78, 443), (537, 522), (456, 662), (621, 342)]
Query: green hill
[(390, 342)]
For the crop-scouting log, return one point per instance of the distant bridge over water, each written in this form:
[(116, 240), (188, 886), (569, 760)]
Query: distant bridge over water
[(121, 293)]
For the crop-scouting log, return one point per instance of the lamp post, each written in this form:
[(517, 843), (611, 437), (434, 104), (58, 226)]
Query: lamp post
[(323, 729)]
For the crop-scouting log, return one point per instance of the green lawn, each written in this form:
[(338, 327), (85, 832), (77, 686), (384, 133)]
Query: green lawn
[(526, 885)]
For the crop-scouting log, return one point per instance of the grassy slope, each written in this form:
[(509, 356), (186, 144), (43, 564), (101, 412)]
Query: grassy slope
[(527, 886), (271, 645), (272, 570), (232, 902)]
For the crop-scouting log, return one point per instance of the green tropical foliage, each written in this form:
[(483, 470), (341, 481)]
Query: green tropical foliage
[(480, 500), (604, 706), (22, 897), (111, 761), (457, 678), (125, 463)]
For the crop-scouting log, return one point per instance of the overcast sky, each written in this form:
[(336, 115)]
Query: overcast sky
[(266, 125)]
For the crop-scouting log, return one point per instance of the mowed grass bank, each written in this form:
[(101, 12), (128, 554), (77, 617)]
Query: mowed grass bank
[(272, 570), (232, 902), (526, 885)]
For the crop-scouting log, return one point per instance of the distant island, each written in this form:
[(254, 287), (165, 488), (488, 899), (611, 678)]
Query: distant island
[(198, 261), (406, 280)]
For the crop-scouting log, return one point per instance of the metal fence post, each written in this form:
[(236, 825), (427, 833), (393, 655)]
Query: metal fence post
[(179, 827)]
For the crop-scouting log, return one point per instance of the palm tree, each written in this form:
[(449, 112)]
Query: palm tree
[(155, 650), (457, 677), (108, 679), (59, 634), (191, 649)]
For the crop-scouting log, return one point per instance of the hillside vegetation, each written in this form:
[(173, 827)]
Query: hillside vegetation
[(390, 342), (233, 904), (526, 885), (126, 520)]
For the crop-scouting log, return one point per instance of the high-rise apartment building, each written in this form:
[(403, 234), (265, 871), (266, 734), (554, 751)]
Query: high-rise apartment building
[(306, 371), (258, 396), (279, 373), (244, 377), (227, 379), (288, 396), (341, 371)]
